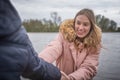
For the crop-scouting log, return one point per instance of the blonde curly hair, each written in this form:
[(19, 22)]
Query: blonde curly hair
[(93, 39)]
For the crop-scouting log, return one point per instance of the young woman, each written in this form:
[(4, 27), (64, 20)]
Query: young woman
[(76, 48)]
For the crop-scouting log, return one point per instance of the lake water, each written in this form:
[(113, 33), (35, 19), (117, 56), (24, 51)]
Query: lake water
[(109, 61)]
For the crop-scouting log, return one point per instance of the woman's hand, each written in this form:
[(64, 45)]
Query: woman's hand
[(64, 76)]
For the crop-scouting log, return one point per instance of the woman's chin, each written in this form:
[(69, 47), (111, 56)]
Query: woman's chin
[(81, 36)]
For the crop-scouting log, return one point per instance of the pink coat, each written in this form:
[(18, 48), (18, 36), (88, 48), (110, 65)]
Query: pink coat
[(77, 65)]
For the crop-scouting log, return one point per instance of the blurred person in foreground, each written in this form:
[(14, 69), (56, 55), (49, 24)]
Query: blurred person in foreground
[(76, 48), (17, 55)]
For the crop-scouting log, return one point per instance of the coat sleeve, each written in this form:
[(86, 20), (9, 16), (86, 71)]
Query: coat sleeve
[(38, 69), (53, 50), (87, 69)]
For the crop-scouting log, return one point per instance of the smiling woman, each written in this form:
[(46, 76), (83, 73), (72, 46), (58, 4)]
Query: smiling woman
[(82, 26), (76, 48)]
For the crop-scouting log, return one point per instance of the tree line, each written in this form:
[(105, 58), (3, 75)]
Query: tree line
[(52, 25)]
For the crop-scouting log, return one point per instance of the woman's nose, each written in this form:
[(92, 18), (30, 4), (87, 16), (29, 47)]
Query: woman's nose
[(80, 27)]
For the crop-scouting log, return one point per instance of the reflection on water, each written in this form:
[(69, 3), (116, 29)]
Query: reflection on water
[(109, 67)]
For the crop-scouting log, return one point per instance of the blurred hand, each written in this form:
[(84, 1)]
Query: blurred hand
[(64, 76)]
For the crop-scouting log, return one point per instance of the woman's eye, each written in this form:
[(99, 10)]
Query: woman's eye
[(85, 24), (78, 23)]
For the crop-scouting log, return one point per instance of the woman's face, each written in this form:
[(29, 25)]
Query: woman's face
[(82, 26)]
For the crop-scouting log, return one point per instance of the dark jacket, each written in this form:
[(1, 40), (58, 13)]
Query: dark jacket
[(17, 56)]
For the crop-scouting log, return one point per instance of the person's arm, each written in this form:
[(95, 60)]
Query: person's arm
[(38, 69), (53, 50), (87, 70)]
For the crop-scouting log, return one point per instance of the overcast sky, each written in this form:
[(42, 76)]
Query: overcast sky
[(39, 9)]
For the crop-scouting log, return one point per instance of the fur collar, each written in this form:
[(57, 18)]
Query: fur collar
[(66, 28)]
